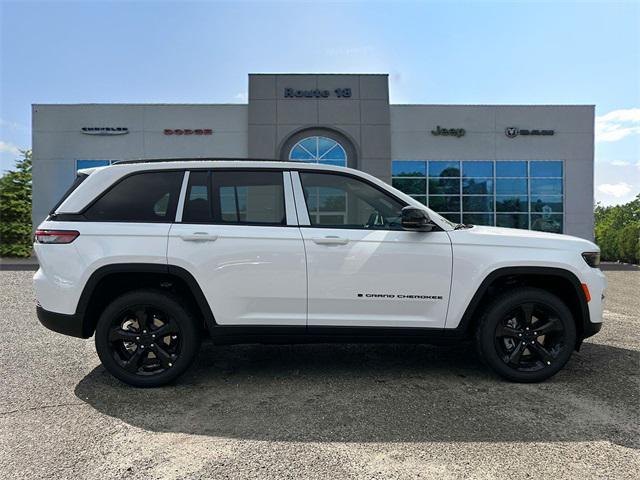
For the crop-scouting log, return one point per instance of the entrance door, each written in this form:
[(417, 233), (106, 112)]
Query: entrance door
[(363, 268)]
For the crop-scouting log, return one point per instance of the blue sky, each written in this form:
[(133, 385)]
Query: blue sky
[(446, 52)]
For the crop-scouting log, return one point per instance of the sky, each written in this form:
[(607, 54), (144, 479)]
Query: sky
[(434, 52)]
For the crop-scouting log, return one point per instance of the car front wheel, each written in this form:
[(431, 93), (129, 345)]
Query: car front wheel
[(146, 338), (526, 335)]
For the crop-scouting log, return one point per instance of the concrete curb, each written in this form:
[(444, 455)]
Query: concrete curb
[(17, 264)]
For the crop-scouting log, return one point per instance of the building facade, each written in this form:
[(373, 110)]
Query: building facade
[(521, 166)]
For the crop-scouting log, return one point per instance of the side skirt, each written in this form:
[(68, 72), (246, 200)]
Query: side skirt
[(282, 335)]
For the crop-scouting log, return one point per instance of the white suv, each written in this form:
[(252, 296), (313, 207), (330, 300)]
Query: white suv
[(151, 255)]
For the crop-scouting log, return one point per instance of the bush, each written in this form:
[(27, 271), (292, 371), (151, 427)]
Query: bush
[(15, 209), (617, 231)]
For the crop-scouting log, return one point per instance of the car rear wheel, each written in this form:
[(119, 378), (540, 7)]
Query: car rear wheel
[(146, 338), (526, 335)]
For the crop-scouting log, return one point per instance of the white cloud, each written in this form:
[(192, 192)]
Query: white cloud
[(242, 96), (618, 124), (617, 190), (9, 148), (620, 163)]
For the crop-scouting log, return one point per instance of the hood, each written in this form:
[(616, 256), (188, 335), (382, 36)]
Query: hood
[(513, 237)]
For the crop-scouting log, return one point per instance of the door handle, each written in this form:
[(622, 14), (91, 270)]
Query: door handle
[(199, 237), (330, 240)]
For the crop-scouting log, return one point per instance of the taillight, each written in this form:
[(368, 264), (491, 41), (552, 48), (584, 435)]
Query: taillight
[(56, 236)]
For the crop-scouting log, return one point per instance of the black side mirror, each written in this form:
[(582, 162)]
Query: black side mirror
[(416, 219)]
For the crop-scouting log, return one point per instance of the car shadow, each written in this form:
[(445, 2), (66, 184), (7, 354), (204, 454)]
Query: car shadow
[(379, 393)]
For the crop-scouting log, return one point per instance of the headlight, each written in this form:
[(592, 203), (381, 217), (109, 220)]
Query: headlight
[(592, 259)]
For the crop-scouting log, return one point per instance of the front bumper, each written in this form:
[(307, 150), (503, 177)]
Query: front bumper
[(62, 323)]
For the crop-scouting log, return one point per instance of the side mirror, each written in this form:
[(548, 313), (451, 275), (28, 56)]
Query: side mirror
[(416, 219)]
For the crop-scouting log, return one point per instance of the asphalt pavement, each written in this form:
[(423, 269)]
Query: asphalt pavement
[(318, 411)]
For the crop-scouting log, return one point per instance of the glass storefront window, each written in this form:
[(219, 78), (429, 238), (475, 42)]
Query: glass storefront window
[(512, 220), (511, 168), (478, 219), (477, 203), (444, 169), (411, 186), (509, 193), (409, 169), (444, 186), (512, 203), (477, 169), (80, 164), (511, 185), (546, 186), (477, 186), (546, 168)]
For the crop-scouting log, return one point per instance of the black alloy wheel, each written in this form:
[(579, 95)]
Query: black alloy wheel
[(526, 335), (146, 338), (530, 337)]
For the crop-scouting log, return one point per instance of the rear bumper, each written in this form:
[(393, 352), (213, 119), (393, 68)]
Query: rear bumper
[(59, 322)]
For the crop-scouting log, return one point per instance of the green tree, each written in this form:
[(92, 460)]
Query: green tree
[(15, 209), (617, 231)]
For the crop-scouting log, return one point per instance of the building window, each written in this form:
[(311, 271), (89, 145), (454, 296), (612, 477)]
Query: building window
[(318, 149), (80, 164), (514, 194)]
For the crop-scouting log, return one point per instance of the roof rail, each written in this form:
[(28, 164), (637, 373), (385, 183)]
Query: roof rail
[(161, 160)]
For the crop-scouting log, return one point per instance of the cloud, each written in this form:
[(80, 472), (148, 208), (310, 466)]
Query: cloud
[(620, 163), (242, 96), (9, 148), (618, 124), (617, 190)]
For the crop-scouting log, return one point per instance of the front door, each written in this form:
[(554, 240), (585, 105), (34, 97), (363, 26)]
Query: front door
[(239, 239), (364, 270)]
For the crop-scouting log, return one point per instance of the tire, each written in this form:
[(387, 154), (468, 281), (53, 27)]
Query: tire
[(526, 335), (146, 338)]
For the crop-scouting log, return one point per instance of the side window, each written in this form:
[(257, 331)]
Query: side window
[(235, 197), (141, 197), (338, 201)]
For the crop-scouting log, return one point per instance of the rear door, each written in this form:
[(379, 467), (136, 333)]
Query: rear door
[(237, 234), (364, 270)]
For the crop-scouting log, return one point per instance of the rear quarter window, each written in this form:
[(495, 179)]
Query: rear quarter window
[(141, 197)]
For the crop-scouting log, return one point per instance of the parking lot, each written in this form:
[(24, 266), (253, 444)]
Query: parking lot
[(318, 411)]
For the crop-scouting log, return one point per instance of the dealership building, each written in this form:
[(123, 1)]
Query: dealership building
[(522, 166)]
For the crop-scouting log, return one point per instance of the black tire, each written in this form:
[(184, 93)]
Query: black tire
[(146, 338), (522, 350)]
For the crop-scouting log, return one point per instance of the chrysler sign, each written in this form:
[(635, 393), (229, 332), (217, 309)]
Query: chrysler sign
[(105, 130), (513, 132)]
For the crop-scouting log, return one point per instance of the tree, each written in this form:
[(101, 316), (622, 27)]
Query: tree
[(15, 209), (617, 230)]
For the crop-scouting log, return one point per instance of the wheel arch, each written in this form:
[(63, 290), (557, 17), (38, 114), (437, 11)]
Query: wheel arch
[(558, 281), (110, 281)]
